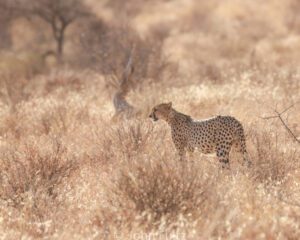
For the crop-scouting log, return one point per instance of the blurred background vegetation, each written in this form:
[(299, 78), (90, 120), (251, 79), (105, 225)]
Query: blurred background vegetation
[(203, 36)]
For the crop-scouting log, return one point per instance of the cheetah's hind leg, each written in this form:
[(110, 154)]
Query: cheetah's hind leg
[(240, 146), (223, 157), (247, 161)]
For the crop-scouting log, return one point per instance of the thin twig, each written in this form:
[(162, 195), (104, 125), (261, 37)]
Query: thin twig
[(286, 109), (279, 115), (269, 117), (288, 129)]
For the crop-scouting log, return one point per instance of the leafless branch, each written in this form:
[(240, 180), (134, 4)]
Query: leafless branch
[(279, 116)]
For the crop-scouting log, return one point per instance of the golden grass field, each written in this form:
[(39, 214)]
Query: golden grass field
[(68, 172)]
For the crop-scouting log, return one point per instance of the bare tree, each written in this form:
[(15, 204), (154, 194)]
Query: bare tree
[(6, 15), (58, 14)]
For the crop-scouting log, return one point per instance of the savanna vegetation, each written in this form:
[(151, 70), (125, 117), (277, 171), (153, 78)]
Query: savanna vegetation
[(70, 170)]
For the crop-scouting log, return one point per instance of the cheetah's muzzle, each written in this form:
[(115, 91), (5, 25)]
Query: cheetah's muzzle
[(154, 118)]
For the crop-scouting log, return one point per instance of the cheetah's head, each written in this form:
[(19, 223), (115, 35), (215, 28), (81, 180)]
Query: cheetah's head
[(161, 111)]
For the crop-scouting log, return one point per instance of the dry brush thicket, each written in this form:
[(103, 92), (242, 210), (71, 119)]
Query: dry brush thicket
[(68, 172)]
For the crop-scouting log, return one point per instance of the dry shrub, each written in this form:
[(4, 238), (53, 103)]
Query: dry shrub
[(13, 88), (273, 162), (56, 120), (31, 172), (56, 113), (149, 182), (127, 139), (132, 137), (67, 79), (33, 181), (61, 119), (162, 188)]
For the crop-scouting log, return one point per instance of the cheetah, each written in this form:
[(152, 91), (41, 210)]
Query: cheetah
[(214, 135)]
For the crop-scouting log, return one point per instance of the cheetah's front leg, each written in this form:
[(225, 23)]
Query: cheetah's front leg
[(223, 157), (182, 153), (181, 149), (180, 145)]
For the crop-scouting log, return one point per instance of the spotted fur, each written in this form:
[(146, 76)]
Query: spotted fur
[(217, 134)]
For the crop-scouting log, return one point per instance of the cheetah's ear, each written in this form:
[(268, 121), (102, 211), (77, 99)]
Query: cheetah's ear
[(169, 104)]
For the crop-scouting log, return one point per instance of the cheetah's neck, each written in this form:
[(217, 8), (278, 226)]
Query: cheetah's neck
[(176, 117)]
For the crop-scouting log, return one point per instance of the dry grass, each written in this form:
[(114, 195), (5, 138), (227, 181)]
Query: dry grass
[(67, 172)]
